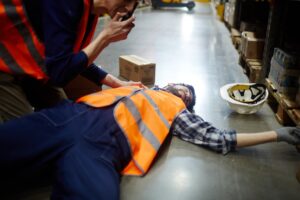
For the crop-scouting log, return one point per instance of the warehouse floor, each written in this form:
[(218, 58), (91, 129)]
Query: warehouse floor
[(195, 47)]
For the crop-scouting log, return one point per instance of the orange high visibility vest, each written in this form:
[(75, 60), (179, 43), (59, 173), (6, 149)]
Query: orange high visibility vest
[(145, 117), (21, 52)]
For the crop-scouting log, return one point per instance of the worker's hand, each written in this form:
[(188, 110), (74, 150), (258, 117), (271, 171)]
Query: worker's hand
[(116, 29), (290, 135), (133, 83), (115, 82)]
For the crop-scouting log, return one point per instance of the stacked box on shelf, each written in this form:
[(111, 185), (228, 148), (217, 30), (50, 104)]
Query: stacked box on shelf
[(236, 38), (251, 46), (229, 12), (255, 67), (284, 73), (258, 28), (245, 34), (226, 11)]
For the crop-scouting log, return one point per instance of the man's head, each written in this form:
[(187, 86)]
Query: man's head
[(112, 7), (185, 92)]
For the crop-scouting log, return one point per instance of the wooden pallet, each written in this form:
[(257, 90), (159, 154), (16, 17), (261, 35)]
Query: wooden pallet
[(236, 38), (287, 112), (236, 41), (251, 67)]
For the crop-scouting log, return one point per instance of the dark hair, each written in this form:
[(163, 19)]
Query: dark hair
[(190, 107), (191, 89), (170, 88)]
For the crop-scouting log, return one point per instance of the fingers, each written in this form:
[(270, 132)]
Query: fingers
[(139, 84), (128, 28), (118, 16), (118, 30), (129, 20), (144, 86), (297, 131), (290, 135), (128, 24)]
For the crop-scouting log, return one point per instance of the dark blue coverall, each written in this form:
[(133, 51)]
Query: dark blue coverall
[(84, 148)]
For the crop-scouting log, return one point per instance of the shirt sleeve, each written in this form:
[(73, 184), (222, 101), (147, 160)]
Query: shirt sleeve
[(94, 73), (60, 23), (192, 128)]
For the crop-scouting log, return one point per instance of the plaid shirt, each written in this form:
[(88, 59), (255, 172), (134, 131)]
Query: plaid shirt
[(192, 128)]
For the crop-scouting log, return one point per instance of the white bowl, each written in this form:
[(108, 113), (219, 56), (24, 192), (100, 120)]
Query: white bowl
[(239, 107)]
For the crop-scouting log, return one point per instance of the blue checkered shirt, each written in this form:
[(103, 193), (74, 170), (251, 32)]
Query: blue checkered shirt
[(192, 128)]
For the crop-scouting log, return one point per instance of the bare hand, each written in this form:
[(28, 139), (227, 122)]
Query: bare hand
[(116, 29), (133, 83)]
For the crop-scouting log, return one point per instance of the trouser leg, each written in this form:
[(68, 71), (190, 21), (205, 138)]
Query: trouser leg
[(13, 100), (81, 176), (85, 147), (91, 169), (33, 142)]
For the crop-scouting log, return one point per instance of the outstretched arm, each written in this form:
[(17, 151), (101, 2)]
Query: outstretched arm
[(192, 128), (250, 139), (290, 135)]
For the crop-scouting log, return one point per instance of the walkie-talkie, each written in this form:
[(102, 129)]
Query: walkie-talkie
[(129, 14)]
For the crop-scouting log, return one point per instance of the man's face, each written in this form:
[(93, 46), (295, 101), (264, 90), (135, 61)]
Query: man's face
[(181, 91), (122, 6)]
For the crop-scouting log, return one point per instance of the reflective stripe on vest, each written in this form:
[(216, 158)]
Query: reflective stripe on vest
[(107, 97), (145, 117), (21, 52)]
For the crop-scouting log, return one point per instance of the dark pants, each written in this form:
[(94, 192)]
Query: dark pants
[(83, 147), (21, 95)]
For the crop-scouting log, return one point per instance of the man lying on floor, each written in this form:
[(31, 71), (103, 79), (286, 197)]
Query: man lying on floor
[(90, 143)]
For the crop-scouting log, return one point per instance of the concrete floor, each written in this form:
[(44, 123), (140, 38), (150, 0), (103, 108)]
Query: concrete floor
[(194, 47)]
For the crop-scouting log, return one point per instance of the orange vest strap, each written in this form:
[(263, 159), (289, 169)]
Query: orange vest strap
[(132, 169), (21, 52), (83, 39), (107, 97), (146, 118), (28, 56)]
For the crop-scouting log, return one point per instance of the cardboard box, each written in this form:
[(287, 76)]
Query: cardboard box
[(244, 36), (285, 80), (135, 68), (252, 47), (258, 29), (255, 67), (254, 73)]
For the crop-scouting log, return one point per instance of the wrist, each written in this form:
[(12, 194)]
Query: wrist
[(280, 133), (112, 81), (119, 83), (104, 37), (101, 40), (274, 136)]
